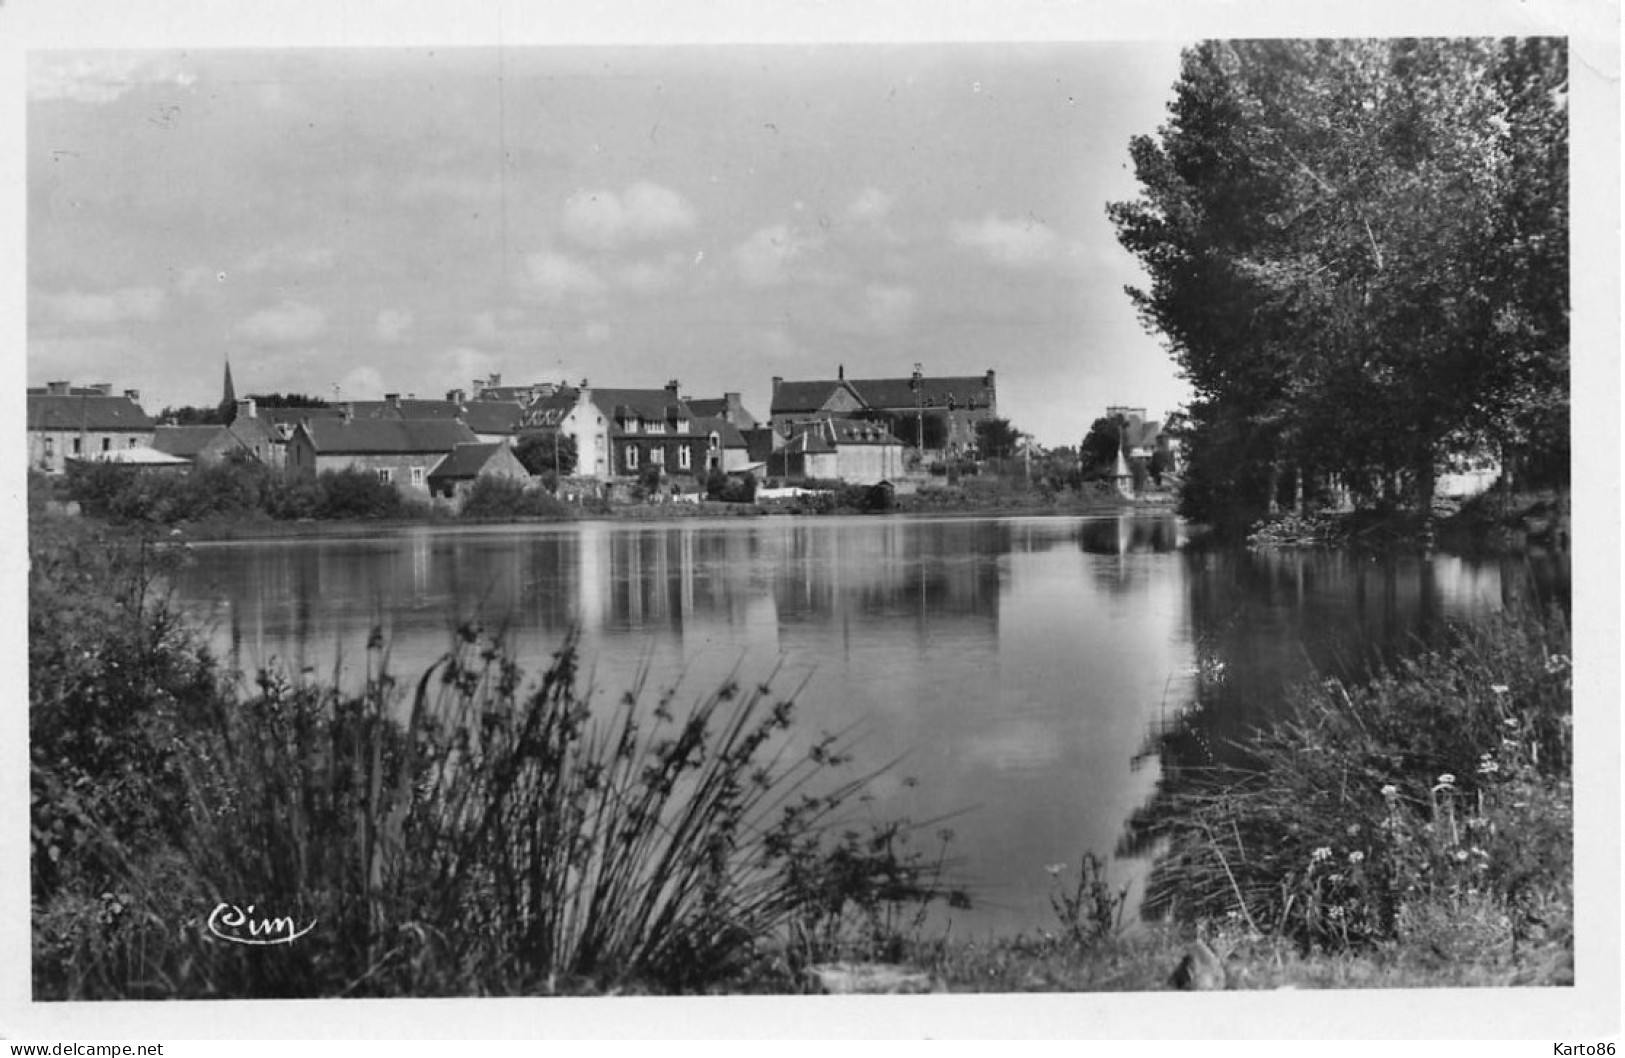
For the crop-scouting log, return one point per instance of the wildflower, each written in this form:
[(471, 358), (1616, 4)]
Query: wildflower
[(1356, 856), (1354, 829), (1509, 743), (1511, 721), (1488, 767), (1500, 688), (1447, 779), (1320, 854), (1390, 791), (1055, 869), (1557, 663), (1461, 855)]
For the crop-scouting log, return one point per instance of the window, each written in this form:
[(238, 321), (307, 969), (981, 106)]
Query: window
[(50, 446), (386, 475), (78, 445), (657, 456), (631, 457), (107, 444), (682, 426), (417, 477), (131, 443), (685, 458), (632, 424)]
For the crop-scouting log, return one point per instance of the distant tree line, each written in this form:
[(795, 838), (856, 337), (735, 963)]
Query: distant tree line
[(1358, 255)]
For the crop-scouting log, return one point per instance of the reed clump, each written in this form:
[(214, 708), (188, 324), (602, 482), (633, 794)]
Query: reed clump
[(469, 832), (1431, 807)]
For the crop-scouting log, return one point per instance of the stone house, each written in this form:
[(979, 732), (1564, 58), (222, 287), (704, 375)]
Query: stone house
[(68, 422), (856, 451), (454, 476), (958, 402), (399, 451), (248, 433), (619, 433)]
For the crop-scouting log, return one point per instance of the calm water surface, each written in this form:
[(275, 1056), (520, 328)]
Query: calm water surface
[(1020, 666)]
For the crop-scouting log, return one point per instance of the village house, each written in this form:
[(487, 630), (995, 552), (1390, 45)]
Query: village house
[(68, 422), (620, 433), (855, 451), (454, 476), (248, 433), (729, 407), (958, 403), (399, 451)]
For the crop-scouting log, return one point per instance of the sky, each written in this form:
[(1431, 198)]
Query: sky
[(352, 222)]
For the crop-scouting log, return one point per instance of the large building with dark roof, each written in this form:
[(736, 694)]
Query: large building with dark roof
[(72, 422), (959, 402), (399, 451)]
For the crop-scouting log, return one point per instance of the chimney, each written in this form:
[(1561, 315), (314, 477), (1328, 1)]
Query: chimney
[(393, 400), (57, 389), (456, 396), (103, 389), (778, 380), (133, 396), (671, 389), (840, 372), (988, 381), (733, 409), (246, 408), (349, 412), (496, 380)]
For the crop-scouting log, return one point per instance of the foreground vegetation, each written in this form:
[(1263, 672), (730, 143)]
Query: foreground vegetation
[(468, 832)]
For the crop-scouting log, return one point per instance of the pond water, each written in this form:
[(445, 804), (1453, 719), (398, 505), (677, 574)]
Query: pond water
[(1020, 667)]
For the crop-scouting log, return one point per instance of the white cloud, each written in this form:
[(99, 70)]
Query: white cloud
[(361, 383), (655, 274), (392, 324), (888, 307), (285, 324), (552, 277), (1026, 243), (125, 305), (100, 77), (603, 220), (765, 257), (286, 258), (870, 207)]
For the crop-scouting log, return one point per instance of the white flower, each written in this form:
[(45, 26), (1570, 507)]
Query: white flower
[(1500, 688), (1557, 663), (1322, 853), (1055, 869), (1356, 857), (1447, 779), (1511, 721), (1390, 791), (1461, 855), (1488, 767)]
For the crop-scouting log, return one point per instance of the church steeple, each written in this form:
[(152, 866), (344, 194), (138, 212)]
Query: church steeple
[(228, 396)]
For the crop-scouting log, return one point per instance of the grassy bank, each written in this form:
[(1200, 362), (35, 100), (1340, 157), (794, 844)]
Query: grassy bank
[(469, 830)]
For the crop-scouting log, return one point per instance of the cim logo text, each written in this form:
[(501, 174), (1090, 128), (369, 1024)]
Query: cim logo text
[(230, 922)]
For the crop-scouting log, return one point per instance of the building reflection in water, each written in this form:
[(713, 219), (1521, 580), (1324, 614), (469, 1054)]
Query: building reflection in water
[(1014, 665)]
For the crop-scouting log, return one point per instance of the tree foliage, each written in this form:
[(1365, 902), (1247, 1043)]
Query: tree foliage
[(1357, 253), (997, 439), (547, 452)]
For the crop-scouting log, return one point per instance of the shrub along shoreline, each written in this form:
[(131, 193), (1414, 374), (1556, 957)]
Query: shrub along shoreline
[(463, 831)]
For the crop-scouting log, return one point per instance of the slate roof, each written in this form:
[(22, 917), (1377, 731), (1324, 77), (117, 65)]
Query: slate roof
[(466, 460), (655, 405), (810, 442), (492, 416), (184, 441), (387, 436), (84, 412), (888, 393), (727, 433), (860, 432), (406, 408), (549, 411)]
